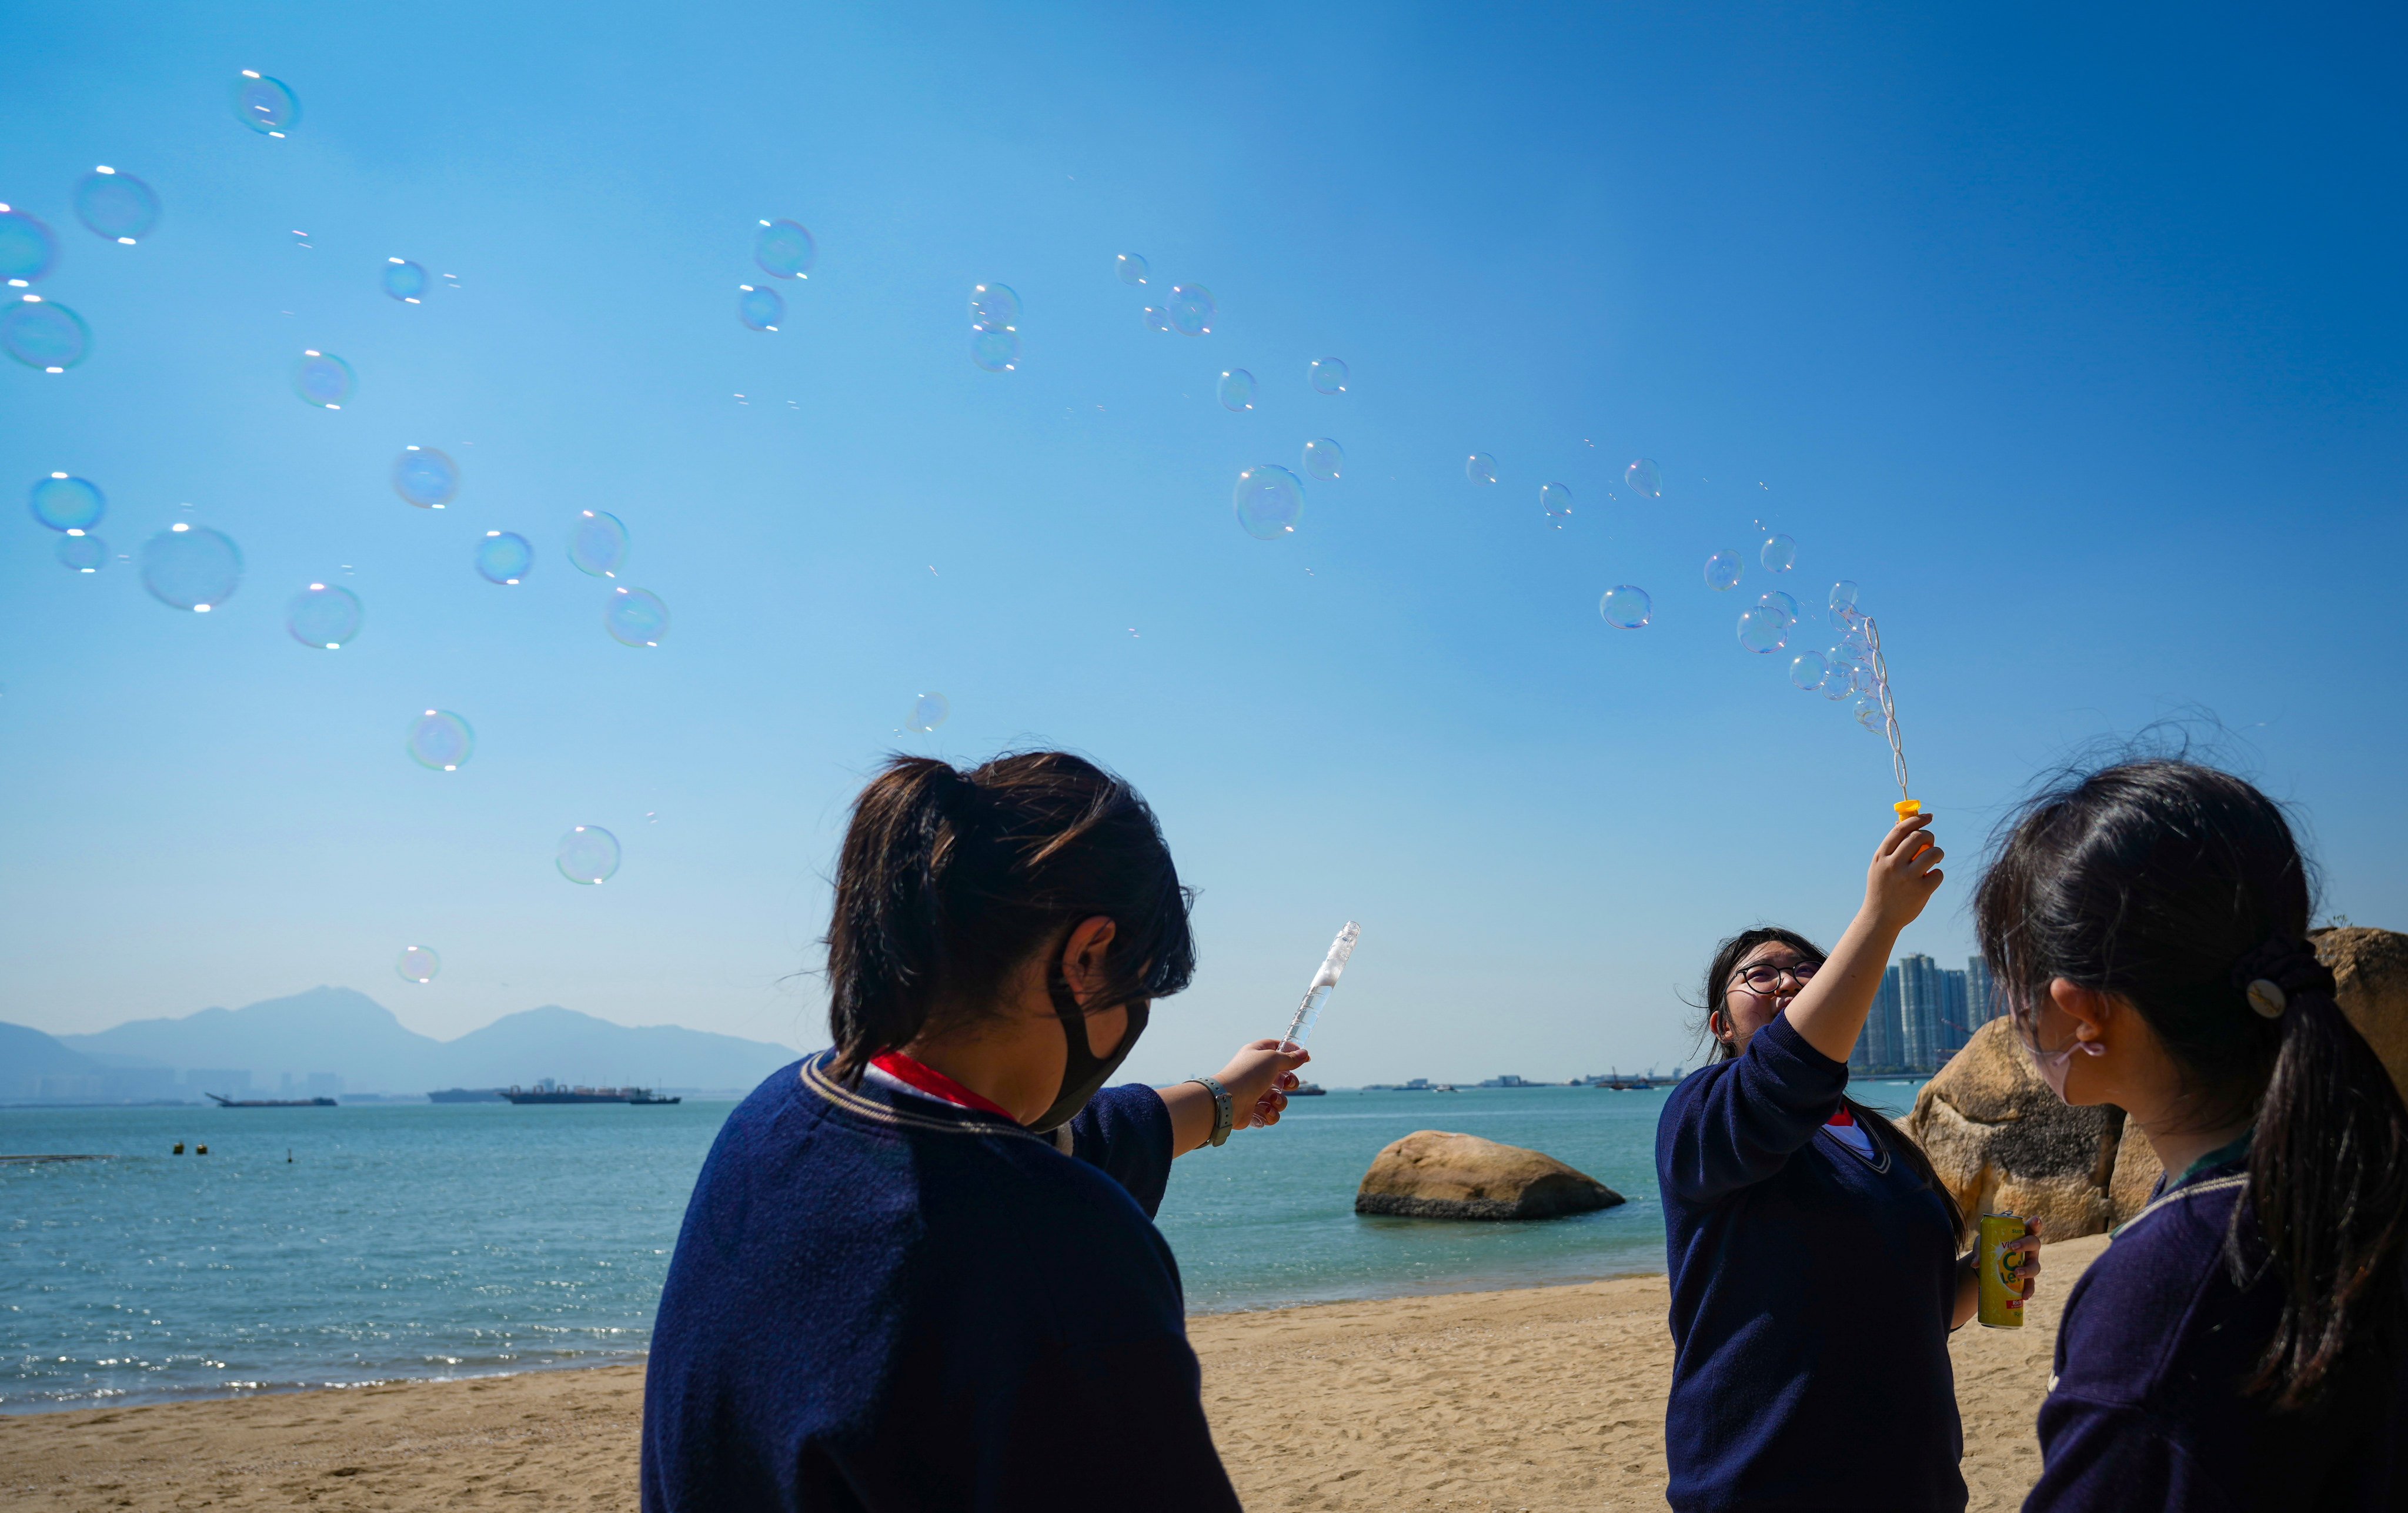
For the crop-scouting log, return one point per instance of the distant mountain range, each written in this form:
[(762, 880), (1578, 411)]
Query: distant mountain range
[(331, 1040)]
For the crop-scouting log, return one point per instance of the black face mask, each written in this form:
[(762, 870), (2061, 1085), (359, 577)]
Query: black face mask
[(1084, 1071)]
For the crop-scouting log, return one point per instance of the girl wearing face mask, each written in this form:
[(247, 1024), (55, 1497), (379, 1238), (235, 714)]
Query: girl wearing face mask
[(1812, 1252), (2243, 1342), (918, 1269)]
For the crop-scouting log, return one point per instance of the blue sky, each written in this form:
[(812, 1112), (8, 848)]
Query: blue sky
[(2076, 341)]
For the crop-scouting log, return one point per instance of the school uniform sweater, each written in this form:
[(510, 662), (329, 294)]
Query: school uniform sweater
[(882, 1302), (1813, 1288), (2147, 1408)]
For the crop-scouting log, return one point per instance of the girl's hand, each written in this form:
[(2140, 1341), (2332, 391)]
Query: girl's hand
[(1904, 875), (1258, 1077), (2027, 1252)]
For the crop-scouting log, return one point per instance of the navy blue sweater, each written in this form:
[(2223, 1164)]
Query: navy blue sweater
[(2147, 1408), (1813, 1290), (880, 1302)]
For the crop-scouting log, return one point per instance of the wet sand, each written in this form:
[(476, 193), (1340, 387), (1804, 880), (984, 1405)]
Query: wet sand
[(1548, 1398)]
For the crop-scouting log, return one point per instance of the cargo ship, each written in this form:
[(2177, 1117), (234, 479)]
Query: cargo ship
[(225, 1102), (465, 1095), (548, 1091)]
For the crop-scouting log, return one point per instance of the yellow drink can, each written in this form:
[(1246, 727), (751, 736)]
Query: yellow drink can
[(1998, 1271)]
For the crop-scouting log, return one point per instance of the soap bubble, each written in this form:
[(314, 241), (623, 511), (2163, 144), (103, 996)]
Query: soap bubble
[(418, 964), (588, 854), (1840, 681), (1723, 571), (28, 251), (635, 616), (1556, 501), (116, 205), (1328, 376), (1645, 478), (1843, 597), (1155, 318), (994, 305), (440, 741), (84, 553), (1808, 669), (1479, 467), (503, 557), (1323, 459), (758, 308), (784, 250), (323, 380), (1270, 501), (1626, 606), (1236, 389), (1781, 602), (1133, 268), (928, 711), (1190, 309), (1779, 555), (1763, 630), (65, 503), (425, 477), (995, 349), (265, 104), (44, 335), (1868, 714), (404, 280), (322, 615), (191, 567), (598, 543)]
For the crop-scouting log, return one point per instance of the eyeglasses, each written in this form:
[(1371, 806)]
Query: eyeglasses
[(1763, 979)]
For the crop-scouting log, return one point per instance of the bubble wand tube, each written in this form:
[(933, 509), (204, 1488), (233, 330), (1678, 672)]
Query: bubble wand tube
[(1324, 982), (1904, 805)]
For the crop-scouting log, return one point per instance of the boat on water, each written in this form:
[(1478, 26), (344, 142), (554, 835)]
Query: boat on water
[(465, 1095), (1308, 1090), (548, 1091), (225, 1102)]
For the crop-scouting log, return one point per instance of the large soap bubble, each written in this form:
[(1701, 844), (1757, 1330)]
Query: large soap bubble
[(28, 251), (1808, 670), (84, 553), (1645, 478), (784, 250), (323, 616), (404, 280), (1479, 467), (1626, 606), (1133, 268), (1324, 459), (425, 477), (1723, 571), (503, 557), (1763, 630), (68, 503), (995, 349), (994, 305), (1237, 391), (440, 741), (1843, 598), (759, 307), (1782, 601), (1270, 501), (1155, 318), (1779, 555), (928, 711), (598, 543), (323, 380), (588, 854), (1557, 500), (417, 963), (265, 104), (1328, 376), (43, 335), (116, 205), (191, 567), (634, 617), (1190, 309)]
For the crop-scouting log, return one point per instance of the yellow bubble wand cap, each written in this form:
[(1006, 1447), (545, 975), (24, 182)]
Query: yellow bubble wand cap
[(1907, 806)]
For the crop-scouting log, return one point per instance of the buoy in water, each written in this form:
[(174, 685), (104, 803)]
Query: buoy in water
[(200, 1151), (180, 1147)]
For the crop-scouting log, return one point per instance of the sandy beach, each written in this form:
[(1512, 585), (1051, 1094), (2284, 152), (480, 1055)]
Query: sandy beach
[(1546, 1398)]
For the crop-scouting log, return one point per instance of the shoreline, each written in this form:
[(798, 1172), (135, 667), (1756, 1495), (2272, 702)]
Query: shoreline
[(1546, 1397)]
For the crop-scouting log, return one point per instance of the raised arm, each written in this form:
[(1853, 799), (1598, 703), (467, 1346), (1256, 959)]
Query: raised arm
[(1829, 1013)]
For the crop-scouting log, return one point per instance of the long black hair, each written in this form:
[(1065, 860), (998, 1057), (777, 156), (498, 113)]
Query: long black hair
[(949, 881), (2175, 887), (1715, 997)]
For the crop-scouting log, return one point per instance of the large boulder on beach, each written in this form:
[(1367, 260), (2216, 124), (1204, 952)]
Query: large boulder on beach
[(2001, 1141), (1432, 1174)]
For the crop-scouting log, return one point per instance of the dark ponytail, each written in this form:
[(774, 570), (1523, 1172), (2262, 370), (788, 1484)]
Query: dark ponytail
[(1717, 994), (2181, 891), (949, 881)]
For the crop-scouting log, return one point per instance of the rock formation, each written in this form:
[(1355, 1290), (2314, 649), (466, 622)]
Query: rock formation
[(1431, 1173), (2002, 1141)]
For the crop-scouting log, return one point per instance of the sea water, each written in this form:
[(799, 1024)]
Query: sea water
[(469, 1239)]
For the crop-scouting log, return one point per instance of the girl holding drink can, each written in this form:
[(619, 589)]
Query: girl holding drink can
[(1813, 1252), (2243, 1342)]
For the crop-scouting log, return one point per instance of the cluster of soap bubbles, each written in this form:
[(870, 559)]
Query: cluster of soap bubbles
[(1270, 499), (1187, 308), (781, 249), (995, 328)]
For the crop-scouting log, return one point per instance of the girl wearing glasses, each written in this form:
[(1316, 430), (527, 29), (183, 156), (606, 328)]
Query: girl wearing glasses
[(2243, 1344), (1812, 1252)]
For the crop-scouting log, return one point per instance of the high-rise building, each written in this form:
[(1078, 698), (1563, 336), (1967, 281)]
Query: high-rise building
[(1878, 1050), (1956, 1025), (1981, 1002), (1919, 1013)]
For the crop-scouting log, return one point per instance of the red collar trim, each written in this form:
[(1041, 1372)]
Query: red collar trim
[(936, 1084), (1843, 1117)]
